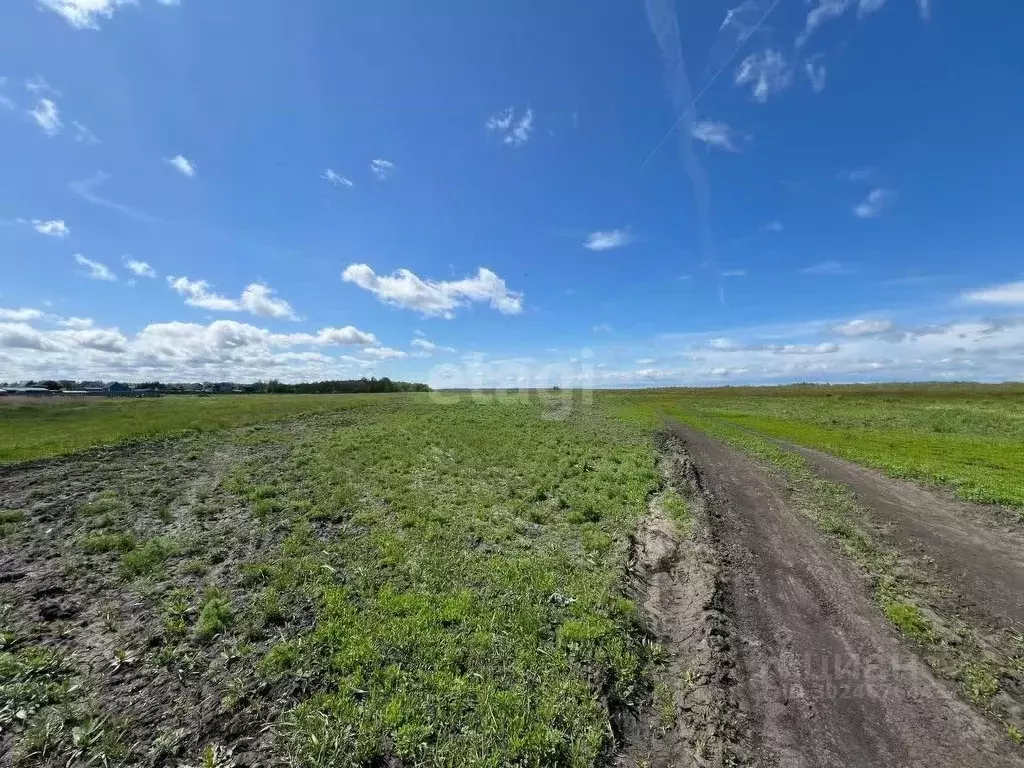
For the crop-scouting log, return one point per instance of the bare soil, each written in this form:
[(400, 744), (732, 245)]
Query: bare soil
[(674, 578), (822, 679), (160, 696)]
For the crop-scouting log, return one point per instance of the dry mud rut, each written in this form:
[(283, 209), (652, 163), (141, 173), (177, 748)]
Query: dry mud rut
[(777, 656)]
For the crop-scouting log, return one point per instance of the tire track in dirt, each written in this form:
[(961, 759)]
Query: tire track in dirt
[(674, 578), (979, 562), (821, 678)]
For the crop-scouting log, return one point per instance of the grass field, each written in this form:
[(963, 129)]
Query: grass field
[(968, 437), (48, 427), (441, 584), (361, 579)]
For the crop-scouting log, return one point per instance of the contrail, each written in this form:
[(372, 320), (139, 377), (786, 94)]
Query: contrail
[(687, 113)]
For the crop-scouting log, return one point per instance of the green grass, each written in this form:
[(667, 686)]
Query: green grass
[(468, 608), (967, 437), (47, 429)]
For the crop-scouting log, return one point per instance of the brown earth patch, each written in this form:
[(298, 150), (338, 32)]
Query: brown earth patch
[(821, 678), (132, 682)]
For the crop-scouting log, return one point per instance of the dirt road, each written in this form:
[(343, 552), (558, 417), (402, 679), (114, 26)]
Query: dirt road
[(978, 561), (822, 679)]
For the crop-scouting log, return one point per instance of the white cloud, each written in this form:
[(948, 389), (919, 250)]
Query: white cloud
[(256, 299), (825, 10), (924, 7), (715, 134), (182, 164), (816, 72), (766, 72), (140, 268), (53, 227), (733, 273), (75, 323), (772, 226), (384, 353), (37, 85), (430, 347), (197, 294), (826, 268), (864, 7), (437, 298), (607, 240), (743, 18), (1008, 293), (47, 116), (513, 132), (335, 178), (86, 14), (20, 315), (646, 361), (97, 271), (382, 169), (603, 328), (864, 327), (83, 135), (876, 201)]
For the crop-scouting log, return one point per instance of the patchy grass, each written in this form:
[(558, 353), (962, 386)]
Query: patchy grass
[(215, 614), (44, 429), (423, 582)]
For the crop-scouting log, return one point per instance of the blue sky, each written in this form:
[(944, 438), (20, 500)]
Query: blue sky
[(603, 193)]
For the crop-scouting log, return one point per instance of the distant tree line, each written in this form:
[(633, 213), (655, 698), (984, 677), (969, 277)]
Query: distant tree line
[(383, 384)]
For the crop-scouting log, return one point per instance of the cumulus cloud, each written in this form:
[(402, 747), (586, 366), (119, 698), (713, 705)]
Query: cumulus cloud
[(97, 271), (607, 240), (335, 178), (20, 315), (864, 327), (873, 205), (435, 298), (257, 299), (766, 72), (182, 164), (47, 116), (382, 169), (715, 134), (53, 227), (1008, 293), (513, 132)]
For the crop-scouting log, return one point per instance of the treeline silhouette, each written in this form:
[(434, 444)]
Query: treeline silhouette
[(383, 384)]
